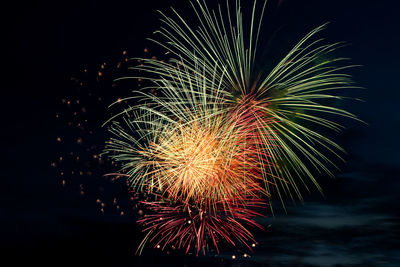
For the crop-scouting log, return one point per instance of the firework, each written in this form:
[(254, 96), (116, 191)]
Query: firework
[(182, 146), (217, 136), (294, 93)]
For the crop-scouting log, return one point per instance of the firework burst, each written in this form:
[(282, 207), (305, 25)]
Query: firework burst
[(219, 136)]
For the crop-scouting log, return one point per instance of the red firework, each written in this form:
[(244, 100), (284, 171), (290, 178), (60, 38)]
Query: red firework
[(181, 226)]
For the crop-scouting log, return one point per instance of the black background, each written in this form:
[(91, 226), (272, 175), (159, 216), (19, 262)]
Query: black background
[(44, 43)]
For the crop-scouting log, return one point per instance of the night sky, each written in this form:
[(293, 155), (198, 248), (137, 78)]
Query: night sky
[(48, 45)]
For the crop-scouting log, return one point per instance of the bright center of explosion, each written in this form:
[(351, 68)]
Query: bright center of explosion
[(203, 163), (192, 161)]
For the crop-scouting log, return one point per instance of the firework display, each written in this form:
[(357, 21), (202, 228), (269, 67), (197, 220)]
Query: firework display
[(212, 138)]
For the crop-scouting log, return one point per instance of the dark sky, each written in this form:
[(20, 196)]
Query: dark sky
[(47, 42)]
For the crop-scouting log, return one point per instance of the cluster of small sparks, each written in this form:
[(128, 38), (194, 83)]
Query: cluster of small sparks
[(79, 164), (212, 139)]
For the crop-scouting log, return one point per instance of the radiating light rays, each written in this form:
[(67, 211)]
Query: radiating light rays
[(219, 136)]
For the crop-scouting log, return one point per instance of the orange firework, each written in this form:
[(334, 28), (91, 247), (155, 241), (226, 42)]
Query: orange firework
[(209, 161)]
